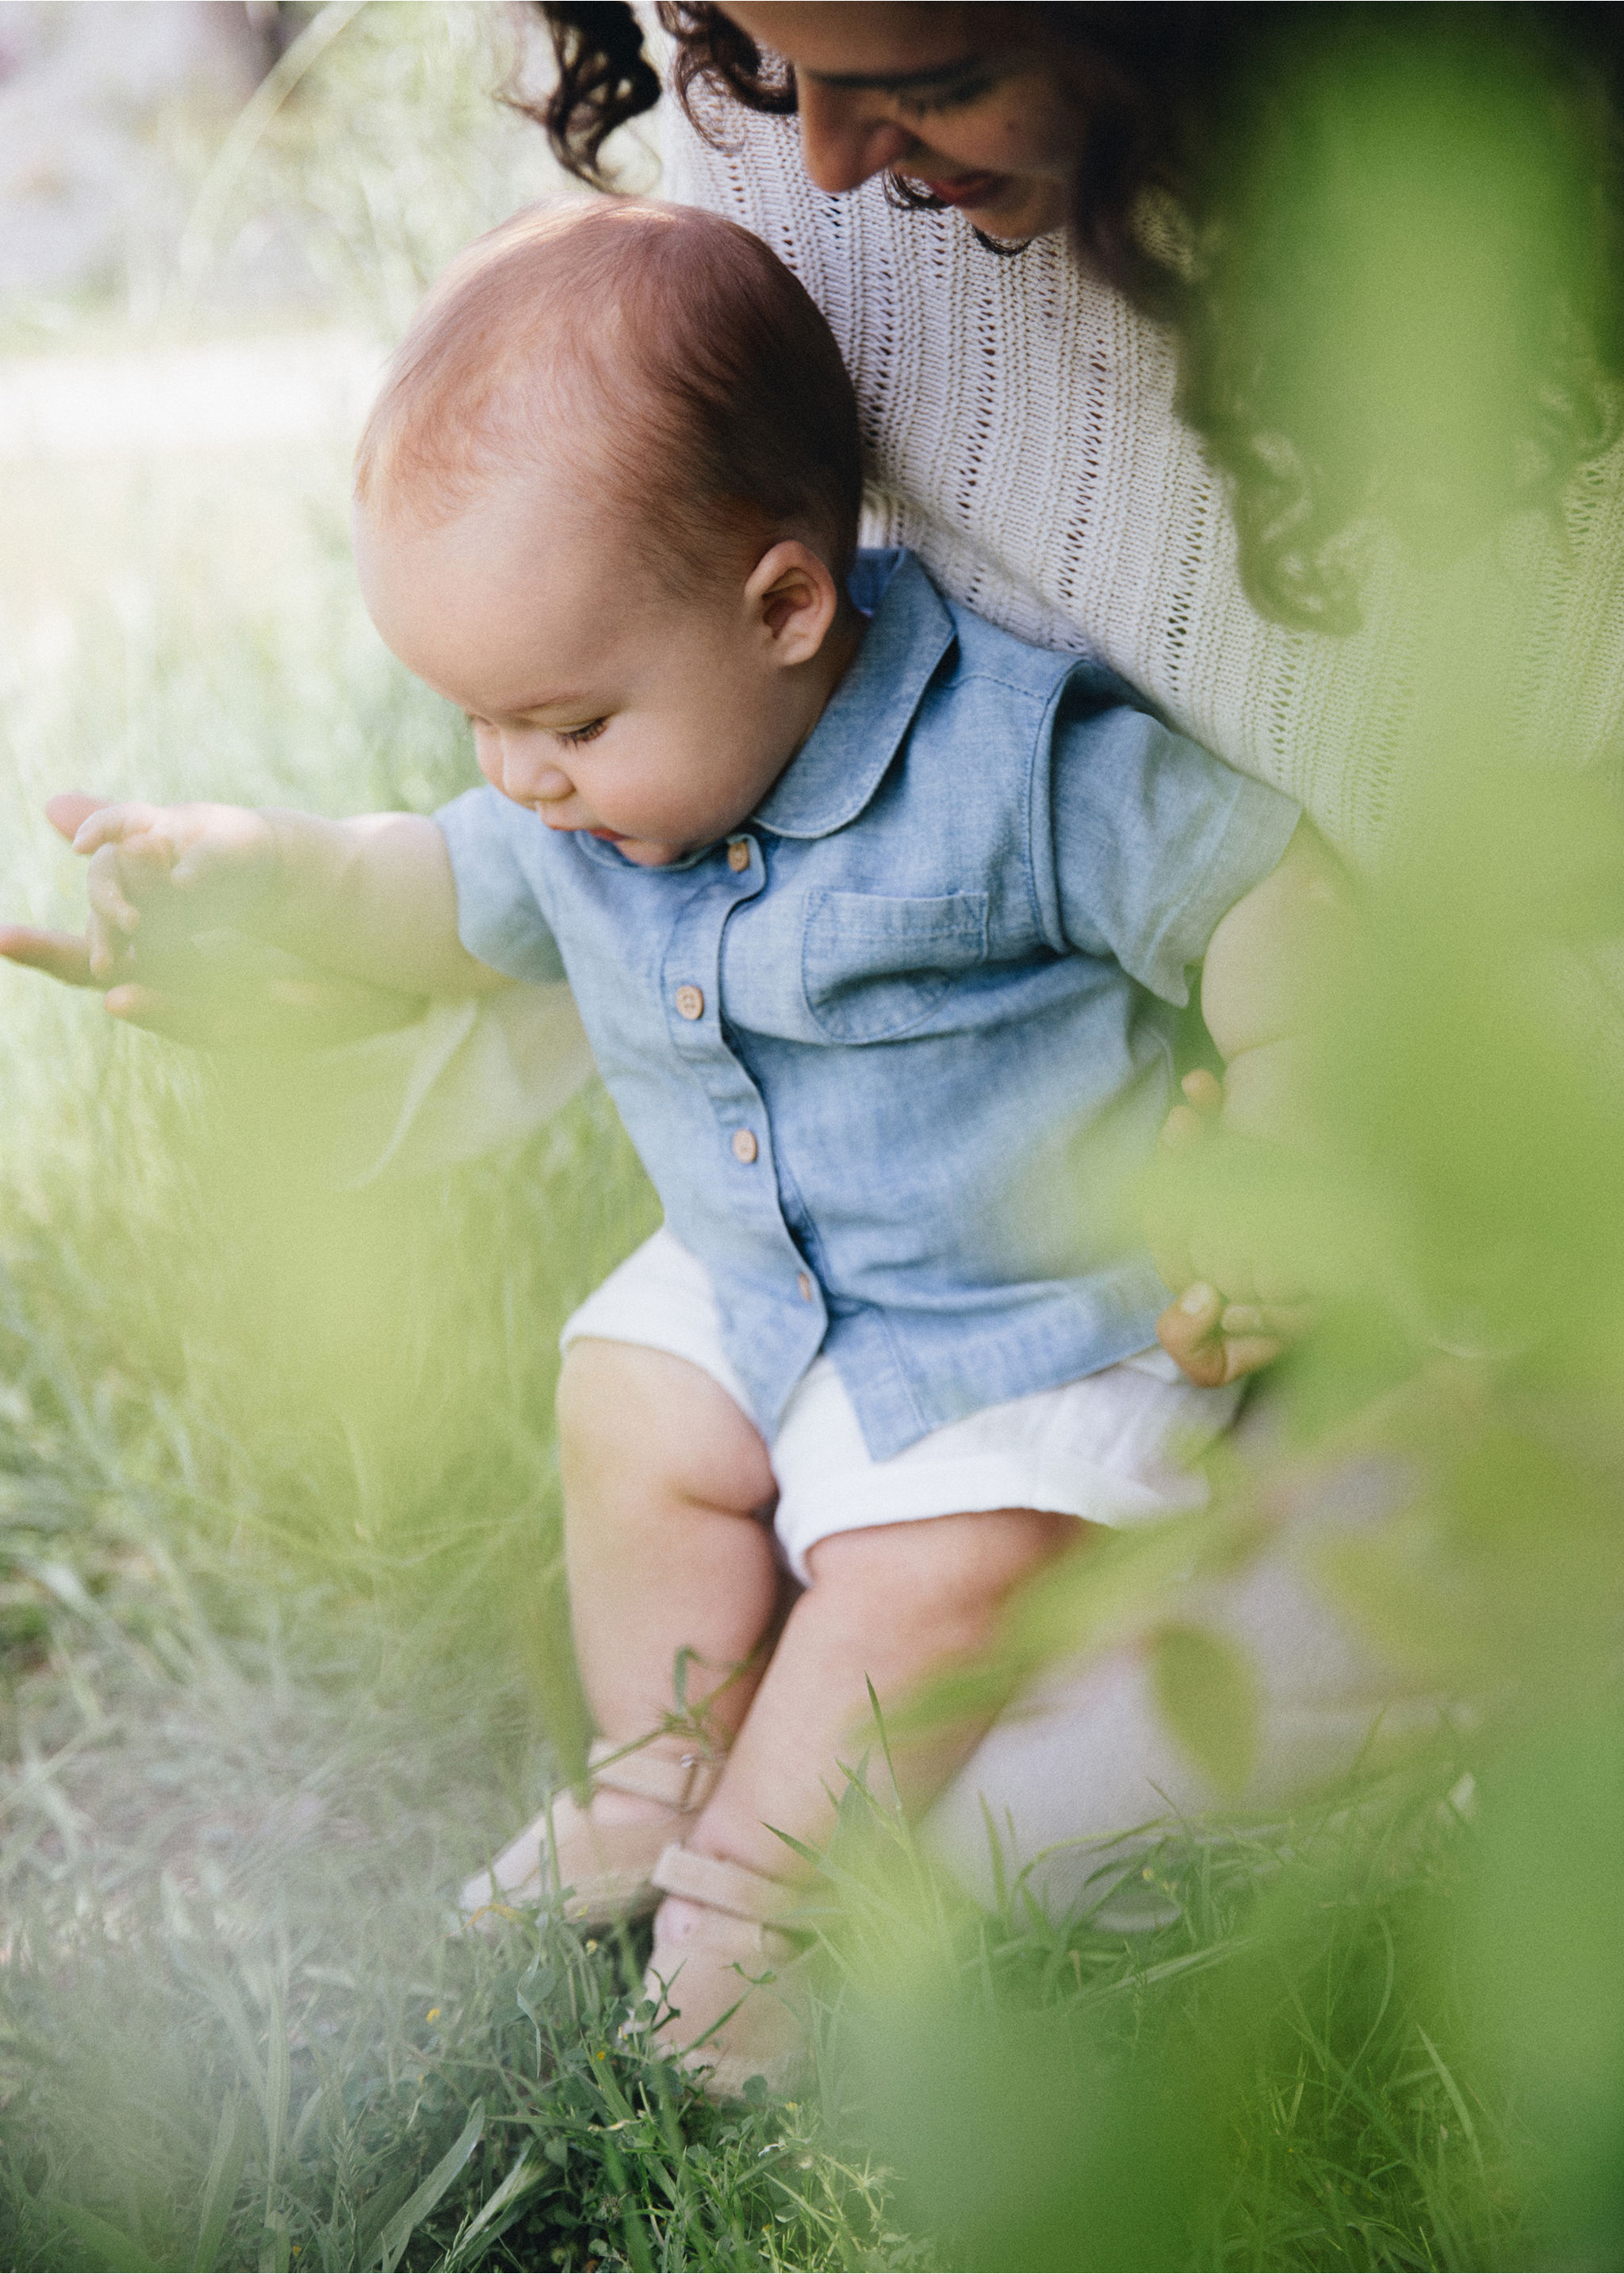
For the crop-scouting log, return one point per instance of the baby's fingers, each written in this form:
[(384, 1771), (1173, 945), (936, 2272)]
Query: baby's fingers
[(114, 824), (69, 810), (63, 955), (104, 887)]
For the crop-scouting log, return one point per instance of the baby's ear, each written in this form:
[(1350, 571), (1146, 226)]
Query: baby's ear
[(792, 595)]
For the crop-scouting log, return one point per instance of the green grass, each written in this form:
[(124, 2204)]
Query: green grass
[(280, 1605)]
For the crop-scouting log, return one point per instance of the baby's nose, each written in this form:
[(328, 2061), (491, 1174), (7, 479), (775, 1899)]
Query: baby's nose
[(532, 778), (544, 784)]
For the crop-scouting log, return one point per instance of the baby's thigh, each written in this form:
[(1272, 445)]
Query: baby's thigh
[(644, 1428), (939, 1580)]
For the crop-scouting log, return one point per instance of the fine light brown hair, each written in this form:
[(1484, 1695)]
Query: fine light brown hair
[(666, 356)]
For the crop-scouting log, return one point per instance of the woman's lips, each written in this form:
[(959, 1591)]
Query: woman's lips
[(965, 189)]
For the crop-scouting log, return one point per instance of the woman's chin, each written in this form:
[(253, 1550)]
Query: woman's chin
[(1012, 210), (1017, 220)]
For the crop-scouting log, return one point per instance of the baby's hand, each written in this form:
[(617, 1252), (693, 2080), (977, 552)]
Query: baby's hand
[(1232, 1317), (182, 869)]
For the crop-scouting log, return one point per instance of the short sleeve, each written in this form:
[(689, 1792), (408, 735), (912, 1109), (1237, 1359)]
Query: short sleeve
[(498, 918), (1154, 838)]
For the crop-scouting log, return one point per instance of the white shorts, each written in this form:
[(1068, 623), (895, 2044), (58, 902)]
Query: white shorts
[(1113, 1448)]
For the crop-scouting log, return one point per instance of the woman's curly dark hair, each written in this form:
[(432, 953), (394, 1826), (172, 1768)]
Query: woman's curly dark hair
[(1214, 187)]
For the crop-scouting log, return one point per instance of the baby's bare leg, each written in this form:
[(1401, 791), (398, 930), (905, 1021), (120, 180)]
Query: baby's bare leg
[(891, 1605), (666, 1545)]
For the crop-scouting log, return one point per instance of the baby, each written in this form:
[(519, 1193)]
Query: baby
[(878, 919)]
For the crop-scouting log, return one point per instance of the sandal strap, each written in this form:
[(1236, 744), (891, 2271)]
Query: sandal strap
[(722, 1886), (684, 1783)]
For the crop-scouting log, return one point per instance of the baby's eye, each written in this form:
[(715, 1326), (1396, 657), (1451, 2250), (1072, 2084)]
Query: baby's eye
[(575, 735)]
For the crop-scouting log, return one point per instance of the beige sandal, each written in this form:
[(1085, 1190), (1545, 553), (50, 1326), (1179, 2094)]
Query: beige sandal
[(605, 1872), (730, 1995)]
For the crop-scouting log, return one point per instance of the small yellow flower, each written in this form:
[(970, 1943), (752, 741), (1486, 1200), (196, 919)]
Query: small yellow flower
[(601, 2056), (433, 2015), (591, 1945)]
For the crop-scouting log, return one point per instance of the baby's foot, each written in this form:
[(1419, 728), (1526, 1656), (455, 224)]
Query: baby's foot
[(599, 1858), (728, 1985)]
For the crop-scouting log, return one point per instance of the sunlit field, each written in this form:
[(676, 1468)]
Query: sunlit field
[(280, 1617)]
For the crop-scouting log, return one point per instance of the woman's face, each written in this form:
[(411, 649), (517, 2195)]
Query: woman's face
[(939, 95)]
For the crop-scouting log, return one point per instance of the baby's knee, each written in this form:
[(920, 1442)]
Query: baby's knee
[(631, 1416)]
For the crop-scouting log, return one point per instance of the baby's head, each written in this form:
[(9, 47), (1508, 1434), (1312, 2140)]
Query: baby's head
[(606, 502)]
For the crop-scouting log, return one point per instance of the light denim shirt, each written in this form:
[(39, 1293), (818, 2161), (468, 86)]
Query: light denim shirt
[(891, 1053)]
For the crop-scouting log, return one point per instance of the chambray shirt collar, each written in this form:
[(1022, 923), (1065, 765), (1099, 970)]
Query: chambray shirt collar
[(844, 759)]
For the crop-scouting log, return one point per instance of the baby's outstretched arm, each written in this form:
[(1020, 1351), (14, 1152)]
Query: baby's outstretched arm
[(218, 992), (371, 897), (1237, 1309)]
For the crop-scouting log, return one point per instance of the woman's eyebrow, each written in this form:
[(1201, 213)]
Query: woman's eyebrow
[(898, 82)]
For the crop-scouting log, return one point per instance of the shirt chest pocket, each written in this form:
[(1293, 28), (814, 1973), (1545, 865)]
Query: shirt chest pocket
[(872, 967)]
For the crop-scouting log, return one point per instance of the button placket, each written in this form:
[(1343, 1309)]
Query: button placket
[(692, 989)]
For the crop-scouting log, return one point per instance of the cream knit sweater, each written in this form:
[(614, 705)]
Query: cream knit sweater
[(1021, 438)]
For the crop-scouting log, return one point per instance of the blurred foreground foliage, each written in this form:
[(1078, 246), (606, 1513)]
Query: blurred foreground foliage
[(280, 1604)]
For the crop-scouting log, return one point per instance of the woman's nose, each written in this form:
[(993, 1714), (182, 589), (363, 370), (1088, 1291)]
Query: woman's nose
[(842, 140)]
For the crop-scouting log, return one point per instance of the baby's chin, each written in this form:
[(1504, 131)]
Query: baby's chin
[(642, 851)]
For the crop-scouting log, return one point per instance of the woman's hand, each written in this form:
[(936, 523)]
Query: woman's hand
[(217, 989), (1232, 1317)]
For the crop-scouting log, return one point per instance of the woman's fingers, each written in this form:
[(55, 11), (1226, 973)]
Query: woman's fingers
[(1188, 1331), (1182, 1128), (1204, 1091), (1197, 1334), (1245, 1354), (63, 955)]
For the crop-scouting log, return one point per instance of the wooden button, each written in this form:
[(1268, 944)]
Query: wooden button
[(803, 1286), (745, 1148), (738, 855), (691, 1002)]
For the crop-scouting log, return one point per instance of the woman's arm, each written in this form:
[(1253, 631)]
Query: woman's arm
[(1237, 1307)]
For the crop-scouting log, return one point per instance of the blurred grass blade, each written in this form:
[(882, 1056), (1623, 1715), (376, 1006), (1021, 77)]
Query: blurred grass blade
[(196, 242), (513, 2187), (1209, 1699), (391, 2244), (225, 2173), (111, 2248)]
